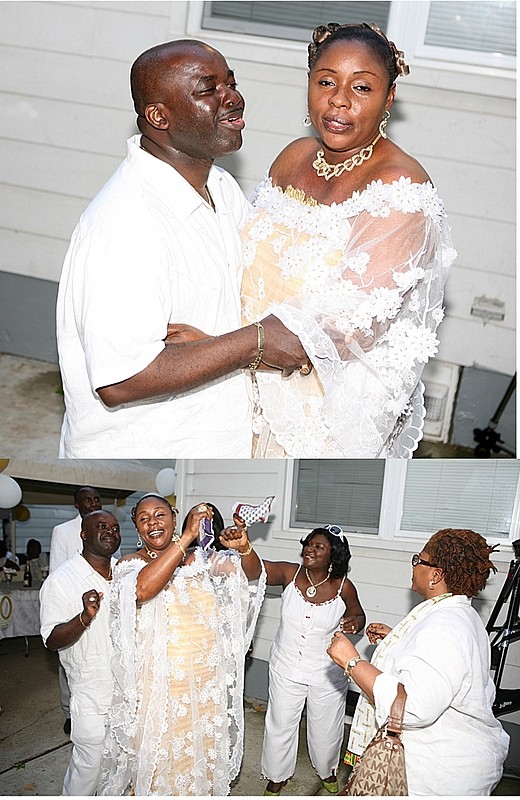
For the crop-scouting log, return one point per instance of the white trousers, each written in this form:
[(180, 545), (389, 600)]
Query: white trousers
[(325, 726), (84, 770)]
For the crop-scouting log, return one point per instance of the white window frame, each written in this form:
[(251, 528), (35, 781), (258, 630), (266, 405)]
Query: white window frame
[(390, 535), (433, 67)]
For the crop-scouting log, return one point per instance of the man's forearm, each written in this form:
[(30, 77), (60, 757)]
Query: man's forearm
[(184, 366), (67, 633), (187, 365)]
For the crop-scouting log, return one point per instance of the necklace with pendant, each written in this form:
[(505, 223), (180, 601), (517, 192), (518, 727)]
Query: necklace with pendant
[(311, 590), (151, 553), (329, 171)]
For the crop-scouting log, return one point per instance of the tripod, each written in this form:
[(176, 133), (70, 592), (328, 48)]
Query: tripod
[(506, 700)]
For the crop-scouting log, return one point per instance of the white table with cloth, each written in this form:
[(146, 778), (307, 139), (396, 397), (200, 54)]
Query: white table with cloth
[(19, 612)]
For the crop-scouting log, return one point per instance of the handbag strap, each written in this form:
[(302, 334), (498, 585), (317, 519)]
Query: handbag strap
[(395, 718)]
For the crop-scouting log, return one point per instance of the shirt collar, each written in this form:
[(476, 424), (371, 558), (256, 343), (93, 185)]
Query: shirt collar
[(169, 183)]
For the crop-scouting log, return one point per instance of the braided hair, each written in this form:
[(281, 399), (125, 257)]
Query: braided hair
[(387, 53), (463, 556), (339, 551)]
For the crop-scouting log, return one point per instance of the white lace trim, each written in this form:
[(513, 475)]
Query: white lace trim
[(361, 283), (176, 724)]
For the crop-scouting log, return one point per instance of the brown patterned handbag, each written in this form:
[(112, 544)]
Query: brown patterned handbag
[(381, 770)]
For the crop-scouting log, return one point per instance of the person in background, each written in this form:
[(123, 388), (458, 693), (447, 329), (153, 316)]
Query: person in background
[(74, 613), (181, 624), (65, 542), (317, 597), (37, 561), (440, 653), (66, 537)]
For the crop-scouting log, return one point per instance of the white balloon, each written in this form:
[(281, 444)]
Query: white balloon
[(10, 492), (165, 481)]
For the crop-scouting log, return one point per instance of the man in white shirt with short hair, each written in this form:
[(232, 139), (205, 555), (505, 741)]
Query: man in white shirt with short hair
[(74, 617), (158, 246)]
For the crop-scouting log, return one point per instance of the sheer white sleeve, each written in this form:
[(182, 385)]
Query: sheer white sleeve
[(361, 283)]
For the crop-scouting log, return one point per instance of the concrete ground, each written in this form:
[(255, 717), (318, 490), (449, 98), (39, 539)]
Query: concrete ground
[(32, 411), (34, 751)]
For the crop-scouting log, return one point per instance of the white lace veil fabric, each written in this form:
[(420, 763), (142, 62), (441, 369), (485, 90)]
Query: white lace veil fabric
[(176, 726), (361, 283)]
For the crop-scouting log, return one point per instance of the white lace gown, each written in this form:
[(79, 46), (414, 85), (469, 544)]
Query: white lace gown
[(361, 283), (176, 725)]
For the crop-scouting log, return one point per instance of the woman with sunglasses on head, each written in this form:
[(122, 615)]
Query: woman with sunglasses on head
[(440, 652), (317, 596), (182, 621), (349, 246)]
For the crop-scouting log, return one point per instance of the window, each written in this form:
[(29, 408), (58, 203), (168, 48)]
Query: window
[(453, 34), (341, 492), (396, 499), (478, 494), (289, 20)]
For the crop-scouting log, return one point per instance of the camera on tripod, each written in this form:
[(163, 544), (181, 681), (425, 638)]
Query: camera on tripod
[(506, 700)]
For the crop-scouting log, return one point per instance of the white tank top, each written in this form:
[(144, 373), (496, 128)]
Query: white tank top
[(299, 649)]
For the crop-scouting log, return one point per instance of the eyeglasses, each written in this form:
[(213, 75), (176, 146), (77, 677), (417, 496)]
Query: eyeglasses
[(416, 559)]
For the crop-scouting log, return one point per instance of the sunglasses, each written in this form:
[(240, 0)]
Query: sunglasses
[(416, 559), (336, 531)]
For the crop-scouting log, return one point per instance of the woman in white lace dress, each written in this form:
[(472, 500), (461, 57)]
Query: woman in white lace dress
[(181, 625), (348, 245)]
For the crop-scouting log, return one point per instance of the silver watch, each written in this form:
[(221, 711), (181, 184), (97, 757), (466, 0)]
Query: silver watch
[(350, 666)]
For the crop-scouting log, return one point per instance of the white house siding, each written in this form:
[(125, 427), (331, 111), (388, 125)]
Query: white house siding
[(66, 114)]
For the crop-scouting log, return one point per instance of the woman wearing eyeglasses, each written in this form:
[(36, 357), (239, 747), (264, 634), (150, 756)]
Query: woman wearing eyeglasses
[(316, 596), (440, 652)]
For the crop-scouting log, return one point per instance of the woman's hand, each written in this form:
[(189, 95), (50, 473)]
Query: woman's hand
[(235, 537), (350, 625), (179, 332), (377, 631), (195, 515), (341, 649)]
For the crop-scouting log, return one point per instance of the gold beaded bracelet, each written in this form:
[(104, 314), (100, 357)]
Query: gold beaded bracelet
[(261, 338), (247, 552)]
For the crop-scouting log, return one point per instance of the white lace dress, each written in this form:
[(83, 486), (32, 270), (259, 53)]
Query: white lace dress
[(176, 725), (361, 283)]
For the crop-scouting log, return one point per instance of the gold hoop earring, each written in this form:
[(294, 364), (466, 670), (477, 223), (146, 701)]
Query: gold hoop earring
[(307, 121), (383, 124)]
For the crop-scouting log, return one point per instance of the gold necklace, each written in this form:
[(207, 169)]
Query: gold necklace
[(329, 171), (150, 552), (311, 590)]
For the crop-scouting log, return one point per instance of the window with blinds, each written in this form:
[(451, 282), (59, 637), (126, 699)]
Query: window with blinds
[(289, 20), (458, 32), (485, 27), (481, 495), (339, 492)]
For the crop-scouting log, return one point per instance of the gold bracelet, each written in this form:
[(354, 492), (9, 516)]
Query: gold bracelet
[(247, 552), (261, 338), (86, 627), (177, 540)]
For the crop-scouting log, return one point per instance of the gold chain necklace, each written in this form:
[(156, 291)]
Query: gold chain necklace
[(311, 590), (150, 552), (329, 171)]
